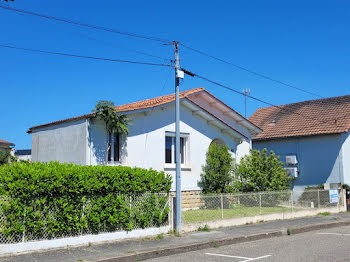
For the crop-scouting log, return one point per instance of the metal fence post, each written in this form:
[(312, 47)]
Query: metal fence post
[(24, 224), (292, 199), (260, 203), (222, 206), (130, 206), (82, 218), (318, 199)]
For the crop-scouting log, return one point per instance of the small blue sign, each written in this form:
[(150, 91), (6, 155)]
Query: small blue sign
[(333, 196)]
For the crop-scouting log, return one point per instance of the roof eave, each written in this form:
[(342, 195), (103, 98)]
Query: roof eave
[(86, 116), (216, 118), (296, 136), (246, 120)]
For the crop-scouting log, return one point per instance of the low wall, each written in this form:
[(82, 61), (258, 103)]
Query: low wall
[(190, 199), (256, 219), (12, 249)]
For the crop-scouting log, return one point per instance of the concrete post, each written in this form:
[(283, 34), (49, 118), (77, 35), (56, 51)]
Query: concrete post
[(177, 138)]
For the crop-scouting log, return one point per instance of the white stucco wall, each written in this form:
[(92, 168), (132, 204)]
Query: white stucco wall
[(145, 144), (346, 157), (66, 143)]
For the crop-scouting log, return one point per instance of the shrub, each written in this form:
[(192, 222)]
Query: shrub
[(6, 157), (218, 170), (35, 180), (48, 200), (261, 171)]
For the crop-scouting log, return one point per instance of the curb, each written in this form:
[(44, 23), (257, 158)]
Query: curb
[(143, 255), (191, 247), (304, 229)]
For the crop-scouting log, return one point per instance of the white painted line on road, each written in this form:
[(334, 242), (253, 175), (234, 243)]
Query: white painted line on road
[(246, 259), (257, 258), (220, 255), (335, 234)]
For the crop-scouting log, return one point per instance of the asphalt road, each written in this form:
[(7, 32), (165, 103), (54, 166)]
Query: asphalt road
[(332, 245)]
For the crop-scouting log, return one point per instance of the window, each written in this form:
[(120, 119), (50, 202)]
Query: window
[(113, 148), (170, 151)]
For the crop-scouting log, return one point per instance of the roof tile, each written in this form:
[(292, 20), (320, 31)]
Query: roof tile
[(314, 117)]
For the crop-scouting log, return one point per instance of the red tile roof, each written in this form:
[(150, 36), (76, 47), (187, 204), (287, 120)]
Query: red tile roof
[(4, 142), (149, 103), (158, 101), (314, 117)]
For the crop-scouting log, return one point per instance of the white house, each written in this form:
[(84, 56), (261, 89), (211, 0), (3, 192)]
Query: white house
[(311, 137), (23, 154), (6, 146), (150, 142)]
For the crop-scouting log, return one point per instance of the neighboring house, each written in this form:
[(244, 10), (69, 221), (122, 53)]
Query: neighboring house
[(150, 142), (23, 154), (312, 138), (6, 146)]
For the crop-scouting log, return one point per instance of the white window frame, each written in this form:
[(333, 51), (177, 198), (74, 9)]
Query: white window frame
[(186, 150)]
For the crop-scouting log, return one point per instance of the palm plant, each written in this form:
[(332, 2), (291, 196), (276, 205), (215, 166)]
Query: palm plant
[(116, 123)]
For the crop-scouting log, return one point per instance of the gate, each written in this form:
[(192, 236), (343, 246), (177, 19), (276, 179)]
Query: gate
[(348, 199)]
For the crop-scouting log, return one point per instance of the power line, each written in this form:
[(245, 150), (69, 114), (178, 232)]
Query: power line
[(86, 25), (251, 71), (252, 97), (128, 49), (85, 57)]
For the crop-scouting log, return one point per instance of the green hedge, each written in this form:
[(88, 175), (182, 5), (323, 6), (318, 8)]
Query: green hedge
[(50, 200)]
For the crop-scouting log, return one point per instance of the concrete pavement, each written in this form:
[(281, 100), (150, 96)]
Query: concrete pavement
[(133, 250), (322, 245)]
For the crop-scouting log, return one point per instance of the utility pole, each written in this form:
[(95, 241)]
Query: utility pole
[(246, 92), (178, 75)]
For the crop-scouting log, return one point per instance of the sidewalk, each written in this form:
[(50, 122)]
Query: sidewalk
[(133, 250)]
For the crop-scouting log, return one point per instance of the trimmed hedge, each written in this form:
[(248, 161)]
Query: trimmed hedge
[(35, 180), (50, 200)]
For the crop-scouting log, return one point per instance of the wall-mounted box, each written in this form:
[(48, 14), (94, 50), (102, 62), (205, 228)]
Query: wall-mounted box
[(291, 160)]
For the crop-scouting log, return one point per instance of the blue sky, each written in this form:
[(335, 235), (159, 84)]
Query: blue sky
[(303, 43)]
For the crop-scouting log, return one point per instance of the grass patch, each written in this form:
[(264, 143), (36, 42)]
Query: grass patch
[(204, 229), (324, 214), (288, 232), (191, 216), (174, 233), (159, 237)]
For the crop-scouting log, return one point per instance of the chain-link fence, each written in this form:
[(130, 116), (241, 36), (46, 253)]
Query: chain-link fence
[(226, 206), (52, 218)]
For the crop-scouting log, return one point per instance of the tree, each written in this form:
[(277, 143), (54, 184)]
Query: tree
[(6, 157), (116, 123), (218, 170), (261, 171)]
